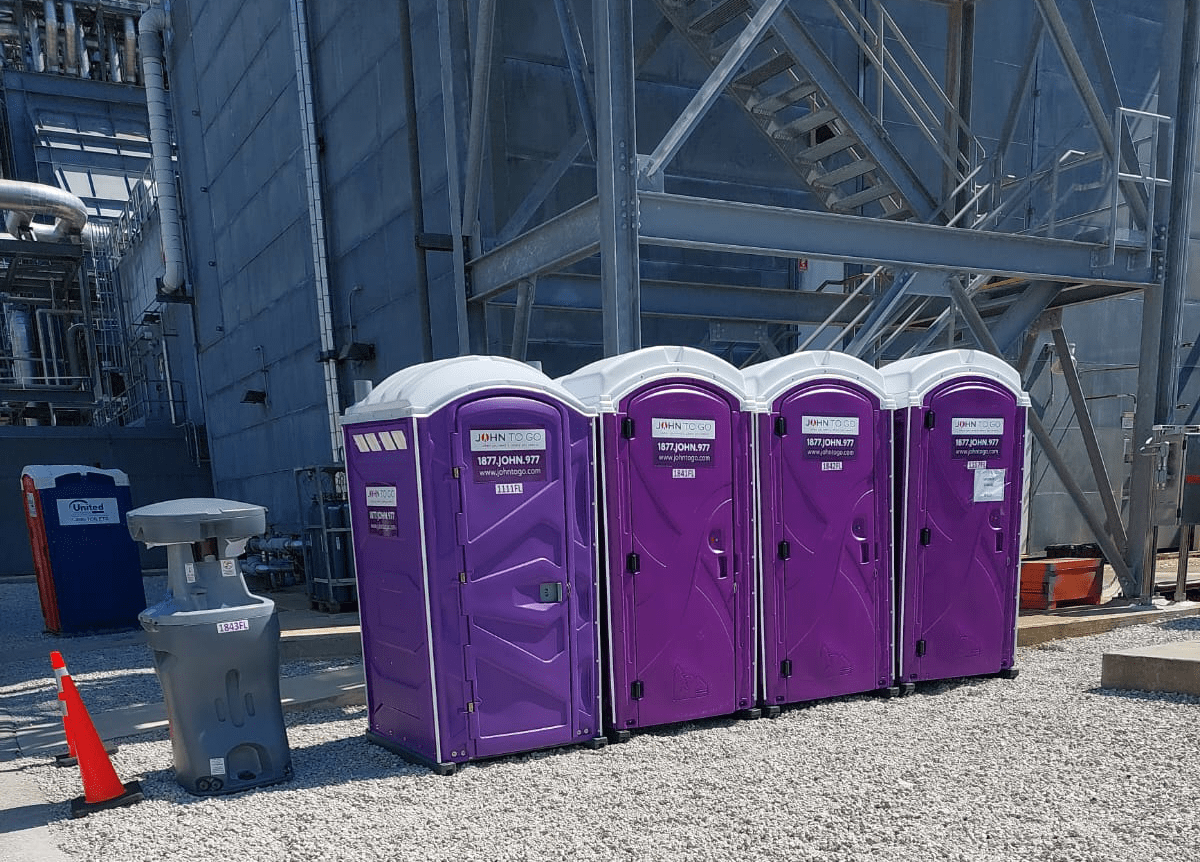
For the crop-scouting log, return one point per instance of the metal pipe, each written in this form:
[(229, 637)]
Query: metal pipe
[(316, 218), (151, 27), (49, 368), (71, 37), (73, 349), (18, 339), (129, 67), (166, 359), (51, 15), (417, 191), (24, 200), (274, 544), (44, 314)]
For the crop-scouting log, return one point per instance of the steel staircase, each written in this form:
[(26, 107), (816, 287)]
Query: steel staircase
[(786, 88)]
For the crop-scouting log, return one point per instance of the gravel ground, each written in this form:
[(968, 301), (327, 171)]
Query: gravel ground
[(1045, 767)]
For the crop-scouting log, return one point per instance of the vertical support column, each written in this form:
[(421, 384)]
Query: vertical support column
[(960, 64), (1181, 572), (1161, 307), (616, 175), (521, 317), (453, 187)]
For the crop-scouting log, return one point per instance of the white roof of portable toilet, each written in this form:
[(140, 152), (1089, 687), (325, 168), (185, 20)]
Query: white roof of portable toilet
[(602, 384), (768, 380), (420, 390), (910, 380), (46, 475)]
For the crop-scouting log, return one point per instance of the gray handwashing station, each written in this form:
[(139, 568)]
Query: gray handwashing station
[(216, 647)]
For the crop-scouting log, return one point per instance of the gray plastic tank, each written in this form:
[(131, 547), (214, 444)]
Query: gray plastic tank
[(216, 647)]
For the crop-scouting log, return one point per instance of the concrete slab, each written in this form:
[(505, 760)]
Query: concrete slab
[(1166, 667), (343, 687), (24, 811), (1037, 628)]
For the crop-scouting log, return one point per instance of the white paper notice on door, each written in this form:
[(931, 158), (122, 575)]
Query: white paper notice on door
[(989, 486)]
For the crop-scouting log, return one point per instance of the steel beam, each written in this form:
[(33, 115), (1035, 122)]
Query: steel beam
[(561, 241), (1087, 430), (1159, 323), (1124, 151), (984, 338), (1018, 317), (577, 63), (616, 175), (1018, 98), (660, 298), (481, 70), (686, 222), (526, 289), (541, 189), (884, 309), (713, 86), (1175, 257), (570, 152), (795, 35)]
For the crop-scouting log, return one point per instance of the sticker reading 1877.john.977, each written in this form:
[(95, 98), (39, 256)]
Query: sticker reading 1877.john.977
[(508, 455), (683, 443)]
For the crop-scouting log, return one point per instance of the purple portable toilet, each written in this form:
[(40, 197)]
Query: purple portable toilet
[(960, 459), (472, 500), (824, 467), (675, 465)]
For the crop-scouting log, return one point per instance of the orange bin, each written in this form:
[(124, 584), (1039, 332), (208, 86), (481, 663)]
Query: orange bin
[(1057, 581)]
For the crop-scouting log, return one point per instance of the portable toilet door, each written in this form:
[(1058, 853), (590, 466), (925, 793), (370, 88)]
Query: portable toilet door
[(823, 455), (676, 477), (472, 501), (960, 464)]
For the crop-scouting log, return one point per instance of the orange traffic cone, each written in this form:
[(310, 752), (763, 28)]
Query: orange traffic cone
[(60, 670), (101, 786), (70, 758)]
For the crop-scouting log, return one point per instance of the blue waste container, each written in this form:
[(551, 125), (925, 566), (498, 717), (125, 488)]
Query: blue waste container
[(89, 574)]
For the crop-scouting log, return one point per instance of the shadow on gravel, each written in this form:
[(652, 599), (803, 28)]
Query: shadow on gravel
[(1151, 696), (1181, 624)]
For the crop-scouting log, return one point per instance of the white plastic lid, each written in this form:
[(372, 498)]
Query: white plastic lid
[(602, 384), (910, 380), (766, 381), (46, 475), (194, 519), (419, 390)]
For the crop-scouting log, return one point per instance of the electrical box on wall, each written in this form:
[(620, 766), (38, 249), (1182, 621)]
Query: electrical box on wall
[(1176, 499), (1189, 487)]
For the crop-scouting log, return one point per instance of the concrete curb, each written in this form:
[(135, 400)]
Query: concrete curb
[(1039, 629)]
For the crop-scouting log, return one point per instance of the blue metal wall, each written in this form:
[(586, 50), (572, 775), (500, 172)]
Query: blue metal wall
[(234, 91)]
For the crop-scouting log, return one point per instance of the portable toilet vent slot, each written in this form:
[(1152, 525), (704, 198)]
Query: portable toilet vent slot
[(675, 461), (472, 498), (960, 425), (823, 455)]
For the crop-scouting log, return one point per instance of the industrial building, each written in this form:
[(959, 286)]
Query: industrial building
[(288, 201)]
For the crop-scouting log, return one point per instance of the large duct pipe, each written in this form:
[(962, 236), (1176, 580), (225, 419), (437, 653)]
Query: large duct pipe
[(151, 27), (24, 200), (71, 37), (130, 64), (19, 343), (51, 14)]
